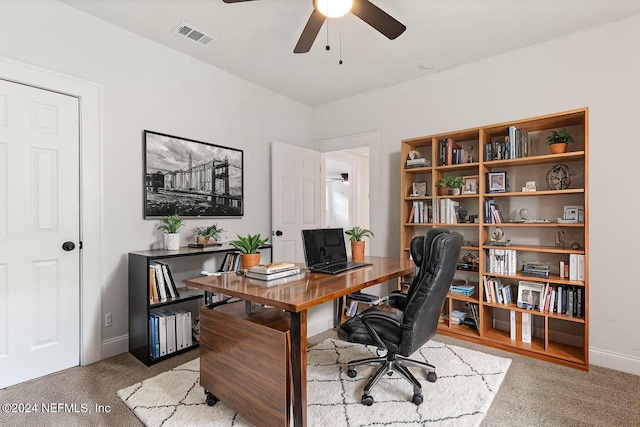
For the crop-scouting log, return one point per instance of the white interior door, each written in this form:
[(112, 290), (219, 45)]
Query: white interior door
[(39, 211), (296, 186)]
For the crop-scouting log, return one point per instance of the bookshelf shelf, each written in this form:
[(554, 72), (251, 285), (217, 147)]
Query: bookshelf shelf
[(556, 337)]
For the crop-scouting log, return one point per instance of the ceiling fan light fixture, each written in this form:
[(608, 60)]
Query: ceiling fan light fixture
[(334, 8)]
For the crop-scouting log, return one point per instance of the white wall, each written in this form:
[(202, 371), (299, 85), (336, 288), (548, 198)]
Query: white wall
[(596, 69), (148, 86)]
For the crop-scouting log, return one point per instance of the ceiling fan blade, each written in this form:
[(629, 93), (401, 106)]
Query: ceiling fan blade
[(310, 32), (377, 18), (235, 1)]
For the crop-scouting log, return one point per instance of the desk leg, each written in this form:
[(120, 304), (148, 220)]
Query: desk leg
[(299, 367)]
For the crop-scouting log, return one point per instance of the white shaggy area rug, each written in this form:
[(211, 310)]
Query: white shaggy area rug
[(467, 382)]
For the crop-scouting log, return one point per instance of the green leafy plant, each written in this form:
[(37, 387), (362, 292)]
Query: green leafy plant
[(249, 244), (451, 182), (171, 223), (561, 136), (211, 230), (358, 233)]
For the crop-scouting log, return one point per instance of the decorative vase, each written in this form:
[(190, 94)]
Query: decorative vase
[(357, 250), (172, 241), (455, 191), (249, 260), (201, 240), (559, 148)]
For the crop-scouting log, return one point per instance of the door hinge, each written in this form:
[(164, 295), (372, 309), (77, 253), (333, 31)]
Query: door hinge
[(80, 244)]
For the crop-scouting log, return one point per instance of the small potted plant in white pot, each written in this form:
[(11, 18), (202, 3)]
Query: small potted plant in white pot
[(248, 247), (559, 141), (356, 235), (170, 225)]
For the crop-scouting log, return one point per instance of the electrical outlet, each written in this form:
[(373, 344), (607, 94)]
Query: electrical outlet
[(107, 320)]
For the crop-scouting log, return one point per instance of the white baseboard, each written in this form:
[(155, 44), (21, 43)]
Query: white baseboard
[(114, 346), (612, 360)]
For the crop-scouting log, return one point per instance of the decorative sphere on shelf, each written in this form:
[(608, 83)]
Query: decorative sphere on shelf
[(524, 214)]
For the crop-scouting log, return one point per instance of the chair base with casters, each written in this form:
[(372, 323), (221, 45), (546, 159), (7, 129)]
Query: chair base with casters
[(388, 365)]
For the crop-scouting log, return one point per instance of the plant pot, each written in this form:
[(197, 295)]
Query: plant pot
[(249, 260), (357, 251), (558, 148), (443, 191), (201, 240), (172, 241)]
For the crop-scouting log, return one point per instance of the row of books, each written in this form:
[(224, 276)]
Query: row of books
[(492, 214), (169, 331), (161, 283), (231, 262), (421, 212), (446, 211), (495, 291), (272, 271), (576, 267), (567, 300), (450, 152), (513, 146), (501, 261)]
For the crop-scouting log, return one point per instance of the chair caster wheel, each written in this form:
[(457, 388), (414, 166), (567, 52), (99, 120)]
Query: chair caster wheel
[(352, 373), (417, 399), (211, 399), (432, 377), (390, 373), (367, 399)]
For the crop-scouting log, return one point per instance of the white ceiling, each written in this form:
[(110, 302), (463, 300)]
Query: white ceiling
[(255, 40)]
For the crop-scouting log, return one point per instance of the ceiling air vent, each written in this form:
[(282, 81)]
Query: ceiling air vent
[(192, 33)]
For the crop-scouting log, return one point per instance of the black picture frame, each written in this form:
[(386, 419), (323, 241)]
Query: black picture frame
[(497, 182), (191, 178)]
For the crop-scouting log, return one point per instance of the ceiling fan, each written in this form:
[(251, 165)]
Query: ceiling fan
[(344, 178), (363, 9)]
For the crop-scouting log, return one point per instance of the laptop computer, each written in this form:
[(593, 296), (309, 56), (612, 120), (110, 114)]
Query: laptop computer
[(325, 251)]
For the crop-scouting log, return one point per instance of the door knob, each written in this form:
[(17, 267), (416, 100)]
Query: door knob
[(68, 246), (278, 233)]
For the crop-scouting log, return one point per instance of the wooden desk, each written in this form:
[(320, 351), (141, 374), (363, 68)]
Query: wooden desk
[(296, 297)]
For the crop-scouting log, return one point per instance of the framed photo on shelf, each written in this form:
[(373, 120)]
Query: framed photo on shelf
[(530, 295), (419, 188), (470, 184), (191, 178), (497, 182)]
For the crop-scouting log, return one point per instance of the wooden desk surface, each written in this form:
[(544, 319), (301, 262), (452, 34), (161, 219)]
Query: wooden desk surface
[(307, 289)]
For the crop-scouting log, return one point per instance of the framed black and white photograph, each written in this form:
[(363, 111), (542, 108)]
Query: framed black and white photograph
[(497, 182), (470, 184), (191, 178), (530, 295)]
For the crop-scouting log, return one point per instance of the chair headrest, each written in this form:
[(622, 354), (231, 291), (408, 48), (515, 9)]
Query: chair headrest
[(421, 246)]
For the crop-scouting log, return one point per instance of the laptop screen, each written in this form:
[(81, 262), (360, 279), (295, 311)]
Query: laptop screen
[(324, 246)]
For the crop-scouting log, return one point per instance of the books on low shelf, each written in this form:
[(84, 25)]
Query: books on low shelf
[(462, 287), (161, 283)]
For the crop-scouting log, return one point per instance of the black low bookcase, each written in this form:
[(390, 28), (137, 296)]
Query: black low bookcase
[(139, 299)]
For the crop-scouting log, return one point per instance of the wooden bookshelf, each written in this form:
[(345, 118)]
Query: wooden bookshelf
[(556, 337)]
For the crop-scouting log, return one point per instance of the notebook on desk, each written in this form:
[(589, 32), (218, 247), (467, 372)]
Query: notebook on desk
[(325, 251)]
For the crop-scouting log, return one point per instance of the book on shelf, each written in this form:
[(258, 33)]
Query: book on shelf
[(526, 327), (153, 287), (274, 267), (162, 288), (273, 276), (512, 325)]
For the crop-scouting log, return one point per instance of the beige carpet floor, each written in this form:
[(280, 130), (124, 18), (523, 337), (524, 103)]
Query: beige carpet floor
[(534, 393)]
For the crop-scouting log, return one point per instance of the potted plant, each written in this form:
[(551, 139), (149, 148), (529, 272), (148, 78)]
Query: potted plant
[(170, 225), (450, 185), (248, 247), (357, 244), (205, 234), (559, 141)]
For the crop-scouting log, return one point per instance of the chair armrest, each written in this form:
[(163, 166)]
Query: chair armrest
[(398, 300), (374, 314)]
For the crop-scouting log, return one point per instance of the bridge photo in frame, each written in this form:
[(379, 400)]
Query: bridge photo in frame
[(191, 178)]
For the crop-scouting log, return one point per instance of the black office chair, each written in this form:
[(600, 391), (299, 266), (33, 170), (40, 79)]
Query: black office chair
[(401, 333)]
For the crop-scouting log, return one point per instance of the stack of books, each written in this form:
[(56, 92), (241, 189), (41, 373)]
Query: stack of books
[(462, 288), (458, 316), (535, 270), (417, 163), (275, 270)]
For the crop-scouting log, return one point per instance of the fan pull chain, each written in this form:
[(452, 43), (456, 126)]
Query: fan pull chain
[(340, 44), (327, 46)]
